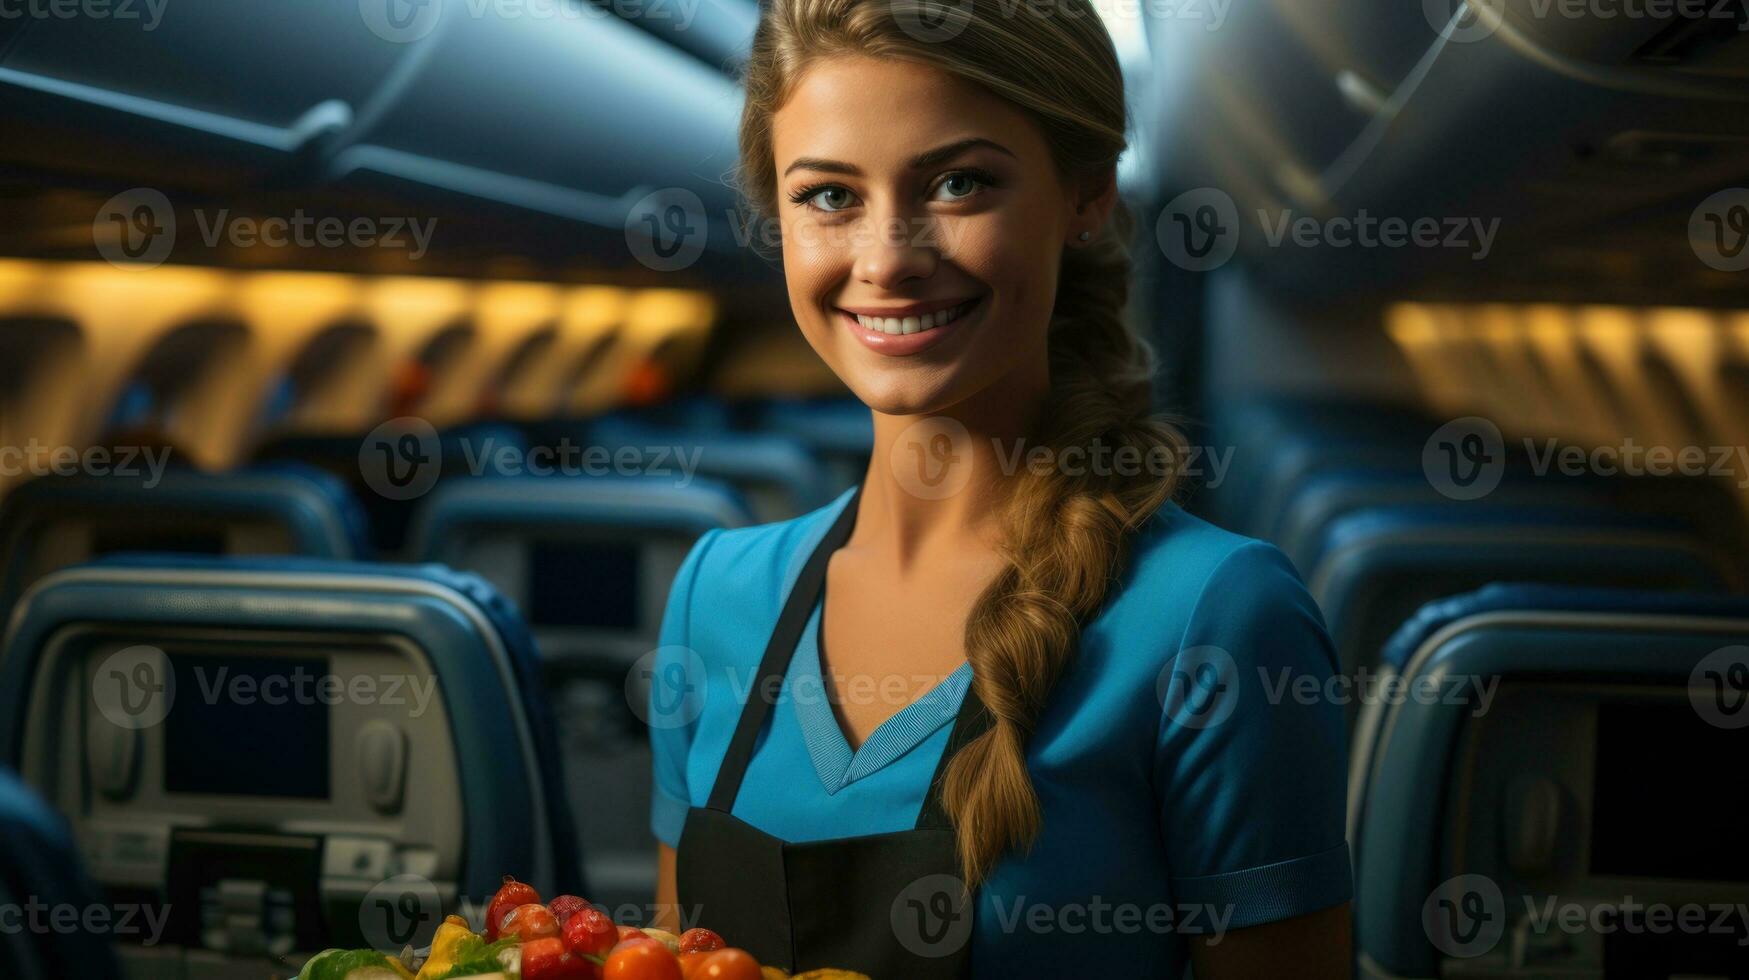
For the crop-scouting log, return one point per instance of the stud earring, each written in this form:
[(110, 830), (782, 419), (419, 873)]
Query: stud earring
[(1086, 235)]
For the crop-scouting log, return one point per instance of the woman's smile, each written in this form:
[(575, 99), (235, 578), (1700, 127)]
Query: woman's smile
[(904, 330)]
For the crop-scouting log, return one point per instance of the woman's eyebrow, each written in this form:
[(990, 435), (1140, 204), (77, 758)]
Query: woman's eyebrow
[(942, 154), (928, 158)]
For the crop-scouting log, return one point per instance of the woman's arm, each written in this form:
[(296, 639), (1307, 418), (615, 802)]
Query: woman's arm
[(1317, 946), (667, 911)]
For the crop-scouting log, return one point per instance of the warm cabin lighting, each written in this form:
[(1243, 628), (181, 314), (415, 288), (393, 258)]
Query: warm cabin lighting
[(440, 347), (1584, 373)]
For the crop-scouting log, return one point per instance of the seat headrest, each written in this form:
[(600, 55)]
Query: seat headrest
[(1514, 596)]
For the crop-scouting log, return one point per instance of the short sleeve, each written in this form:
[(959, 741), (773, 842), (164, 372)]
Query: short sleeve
[(1251, 763), (676, 679)]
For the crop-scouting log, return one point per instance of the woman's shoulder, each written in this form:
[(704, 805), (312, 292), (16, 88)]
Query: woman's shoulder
[(1177, 546), (1202, 584)]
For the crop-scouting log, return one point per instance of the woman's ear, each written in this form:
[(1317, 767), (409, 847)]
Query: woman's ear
[(1094, 198)]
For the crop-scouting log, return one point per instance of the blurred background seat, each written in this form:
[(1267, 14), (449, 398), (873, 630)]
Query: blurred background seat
[(291, 753), (774, 473), (51, 522), (40, 873), (1552, 741), (1374, 567), (458, 450), (589, 561)]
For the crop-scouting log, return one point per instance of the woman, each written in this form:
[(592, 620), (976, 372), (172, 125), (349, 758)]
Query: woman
[(1048, 724)]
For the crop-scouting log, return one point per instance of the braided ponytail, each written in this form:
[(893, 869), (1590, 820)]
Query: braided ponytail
[(1064, 536)]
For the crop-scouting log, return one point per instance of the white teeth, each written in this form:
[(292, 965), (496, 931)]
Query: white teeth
[(896, 326)]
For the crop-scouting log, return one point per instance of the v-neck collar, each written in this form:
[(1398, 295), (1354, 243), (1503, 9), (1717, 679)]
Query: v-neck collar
[(834, 761)]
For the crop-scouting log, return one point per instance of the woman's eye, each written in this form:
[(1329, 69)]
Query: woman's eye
[(957, 186), (829, 199)]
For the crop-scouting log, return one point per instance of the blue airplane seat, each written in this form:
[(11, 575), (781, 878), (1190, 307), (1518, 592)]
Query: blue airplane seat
[(1708, 507), (1282, 440), (589, 560), (436, 799), (467, 450), (38, 864), (775, 473), (274, 508), (1548, 745), (1372, 568), (840, 431)]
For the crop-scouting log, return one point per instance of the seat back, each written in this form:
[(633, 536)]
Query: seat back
[(383, 460), (774, 473), (590, 561), (39, 875), (291, 753), (1374, 567), (838, 431), (1555, 764), (1284, 441), (56, 521), (1708, 508)]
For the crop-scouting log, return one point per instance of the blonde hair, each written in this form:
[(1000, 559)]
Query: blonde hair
[(1064, 534)]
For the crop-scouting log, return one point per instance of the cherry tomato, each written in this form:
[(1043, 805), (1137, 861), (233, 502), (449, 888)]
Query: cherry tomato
[(566, 906), (531, 921), (690, 963), (700, 941), (632, 932), (548, 959), (641, 959), (513, 893), (590, 933), (729, 964)]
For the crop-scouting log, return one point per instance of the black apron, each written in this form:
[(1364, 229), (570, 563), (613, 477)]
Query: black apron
[(891, 905)]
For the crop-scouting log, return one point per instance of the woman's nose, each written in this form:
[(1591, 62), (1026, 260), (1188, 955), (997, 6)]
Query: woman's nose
[(895, 249)]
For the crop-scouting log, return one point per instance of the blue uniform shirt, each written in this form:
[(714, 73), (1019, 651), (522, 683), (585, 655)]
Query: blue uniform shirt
[(1190, 764)]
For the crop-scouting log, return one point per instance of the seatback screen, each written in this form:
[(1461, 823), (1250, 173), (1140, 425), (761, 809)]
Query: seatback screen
[(1669, 794), (588, 584), (247, 726)]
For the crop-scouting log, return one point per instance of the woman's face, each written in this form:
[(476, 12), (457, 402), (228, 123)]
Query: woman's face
[(923, 220)]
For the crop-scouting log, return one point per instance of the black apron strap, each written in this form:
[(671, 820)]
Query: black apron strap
[(778, 652)]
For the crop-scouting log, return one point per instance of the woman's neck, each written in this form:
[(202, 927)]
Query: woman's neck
[(936, 482)]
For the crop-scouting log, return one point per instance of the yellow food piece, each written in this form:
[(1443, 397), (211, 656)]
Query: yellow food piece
[(666, 938), (443, 947), (773, 973)]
